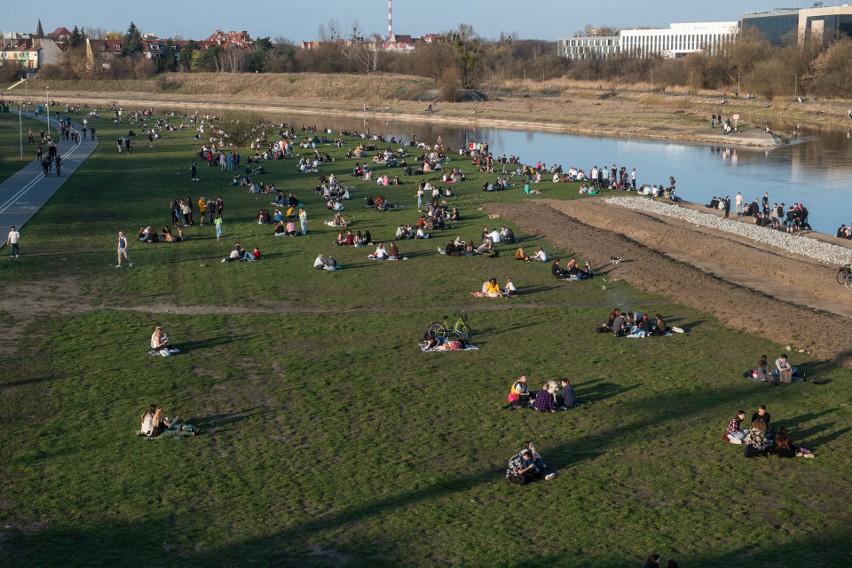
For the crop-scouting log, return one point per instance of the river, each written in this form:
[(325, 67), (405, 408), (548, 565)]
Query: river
[(816, 169)]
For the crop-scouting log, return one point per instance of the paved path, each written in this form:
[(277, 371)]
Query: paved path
[(25, 192)]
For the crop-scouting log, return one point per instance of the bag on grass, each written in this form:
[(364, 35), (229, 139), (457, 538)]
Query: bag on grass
[(786, 376)]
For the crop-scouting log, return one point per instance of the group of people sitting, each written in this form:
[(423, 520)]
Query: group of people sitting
[(551, 398), (239, 254), (406, 231), (782, 371), (538, 256), (572, 270), (391, 253), (491, 289), (348, 239), (323, 263), (844, 232), (526, 466), (459, 247), (636, 324), (759, 439)]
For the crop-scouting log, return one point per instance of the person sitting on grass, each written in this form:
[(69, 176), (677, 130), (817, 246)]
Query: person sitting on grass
[(519, 394), (545, 399), (159, 423), (393, 252), (762, 374), (321, 263), (557, 271), (566, 399), (783, 371), (520, 255), (236, 254), (279, 230), (660, 327), (510, 291), (755, 440), (783, 446), (490, 289), (148, 420), (735, 433), (540, 255), (160, 342), (522, 468), (380, 253), (574, 272)]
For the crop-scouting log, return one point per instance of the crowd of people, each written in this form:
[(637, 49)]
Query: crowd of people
[(759, 439), (636, 324), (792, 219)]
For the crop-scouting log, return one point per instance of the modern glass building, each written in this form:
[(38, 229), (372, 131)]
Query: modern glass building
[(823, 24), (587, 47)]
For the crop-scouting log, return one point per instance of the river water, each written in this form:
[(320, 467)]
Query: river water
[(815, 170)]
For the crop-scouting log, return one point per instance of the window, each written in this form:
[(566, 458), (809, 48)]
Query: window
[(117, 47)]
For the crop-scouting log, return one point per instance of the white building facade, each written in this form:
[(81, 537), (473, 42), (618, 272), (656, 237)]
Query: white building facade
[(675, 41), (678, 40)]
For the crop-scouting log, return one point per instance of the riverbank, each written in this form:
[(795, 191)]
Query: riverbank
[(556, 106), (791, 299)]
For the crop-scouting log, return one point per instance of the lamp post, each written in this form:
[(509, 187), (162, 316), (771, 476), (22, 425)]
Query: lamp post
[(47, 98), (20, 120), (795, 85)]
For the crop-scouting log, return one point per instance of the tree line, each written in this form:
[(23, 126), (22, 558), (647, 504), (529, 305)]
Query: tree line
[(461, 59)]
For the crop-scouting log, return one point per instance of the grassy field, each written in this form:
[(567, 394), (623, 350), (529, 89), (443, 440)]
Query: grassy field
[(330, 440), (10, 143)]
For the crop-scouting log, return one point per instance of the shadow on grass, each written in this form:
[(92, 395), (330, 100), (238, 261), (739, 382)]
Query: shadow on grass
[(33, 380), (597, 390), (207, 343), (217, 422)]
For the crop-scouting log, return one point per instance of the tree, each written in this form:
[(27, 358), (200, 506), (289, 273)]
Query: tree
[(76, 38), (466, 43), (259, 58), (132, 40), (239, 128), (832, 70), (185, 56)]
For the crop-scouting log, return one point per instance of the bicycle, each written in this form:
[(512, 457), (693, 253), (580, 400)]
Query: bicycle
[(445, 329), (844, 276)]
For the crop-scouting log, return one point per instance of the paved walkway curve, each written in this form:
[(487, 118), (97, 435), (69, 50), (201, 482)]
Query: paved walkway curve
[(25, 192)]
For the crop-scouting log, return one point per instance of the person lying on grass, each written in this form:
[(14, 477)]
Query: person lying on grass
[(160, 342)]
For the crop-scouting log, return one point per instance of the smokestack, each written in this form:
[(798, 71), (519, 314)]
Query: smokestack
[(390, 19)]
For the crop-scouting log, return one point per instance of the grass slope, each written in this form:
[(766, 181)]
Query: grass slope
[(10, 143), (331, 440)]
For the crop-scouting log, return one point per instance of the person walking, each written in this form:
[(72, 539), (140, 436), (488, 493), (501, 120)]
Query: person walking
[(193, 173), (122, 250), (13, 240), (218, 223), (303, 220)]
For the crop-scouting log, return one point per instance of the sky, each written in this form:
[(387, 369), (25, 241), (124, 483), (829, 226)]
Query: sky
[(300, 20)]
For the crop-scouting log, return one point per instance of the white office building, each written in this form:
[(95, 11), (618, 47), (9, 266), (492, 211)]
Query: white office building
[(678, 39), (675, 41)]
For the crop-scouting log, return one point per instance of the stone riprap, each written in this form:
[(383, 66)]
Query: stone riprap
[(794, 243)]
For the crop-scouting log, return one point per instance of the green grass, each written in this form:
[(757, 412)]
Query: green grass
[(10, 142), (331, 440)]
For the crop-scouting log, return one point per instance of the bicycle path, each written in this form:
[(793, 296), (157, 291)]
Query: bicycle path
[(23, 194)]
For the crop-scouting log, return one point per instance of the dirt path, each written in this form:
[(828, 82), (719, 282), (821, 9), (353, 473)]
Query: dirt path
[(700, 269)]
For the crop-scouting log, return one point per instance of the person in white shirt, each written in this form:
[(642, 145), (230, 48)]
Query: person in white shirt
[(539, 255), (380, 253), (738, 201), (13, 240), (495, 236), (148, 420)]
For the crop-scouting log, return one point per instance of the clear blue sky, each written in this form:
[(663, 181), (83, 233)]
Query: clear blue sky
[(299, 20)]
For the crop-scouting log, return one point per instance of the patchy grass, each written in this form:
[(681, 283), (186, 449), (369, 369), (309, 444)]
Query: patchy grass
[(331, 440), (10, 142)]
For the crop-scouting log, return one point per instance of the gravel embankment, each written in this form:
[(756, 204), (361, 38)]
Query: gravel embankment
[(826, 252)]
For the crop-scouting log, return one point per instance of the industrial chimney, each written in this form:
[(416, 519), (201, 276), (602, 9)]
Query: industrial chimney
[(390, 20)]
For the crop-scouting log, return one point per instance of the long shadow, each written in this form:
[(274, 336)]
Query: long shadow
[(814, 443), (207, 343), (212, 424), (587, 393), (32, 381)]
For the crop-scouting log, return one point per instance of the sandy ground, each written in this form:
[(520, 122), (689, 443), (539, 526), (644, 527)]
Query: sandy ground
[(790, 300)]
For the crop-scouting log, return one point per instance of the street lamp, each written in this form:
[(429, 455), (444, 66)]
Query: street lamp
[(47, 97), (20, 123)]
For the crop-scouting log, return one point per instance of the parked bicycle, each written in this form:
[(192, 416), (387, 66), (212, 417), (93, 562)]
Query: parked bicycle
[(844, 276), (459, 329)]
